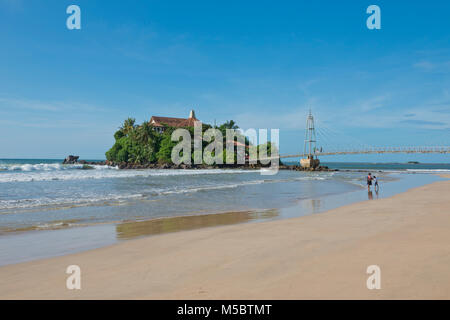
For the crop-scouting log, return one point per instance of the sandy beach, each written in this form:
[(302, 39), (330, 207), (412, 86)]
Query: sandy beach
[(321, 256)]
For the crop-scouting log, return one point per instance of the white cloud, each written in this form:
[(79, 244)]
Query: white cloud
[(376, 102), (428, 66)]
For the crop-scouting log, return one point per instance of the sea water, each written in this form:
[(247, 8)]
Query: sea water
[(43, 201)]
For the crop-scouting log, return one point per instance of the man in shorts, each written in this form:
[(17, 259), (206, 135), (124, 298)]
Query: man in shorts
[(369, 181)]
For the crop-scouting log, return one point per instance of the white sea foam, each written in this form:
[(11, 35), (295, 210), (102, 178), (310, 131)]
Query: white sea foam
[(27, 167), (237, 185), (51, 172), (64, 201), (428, 170), (210, 187), (38, 190), (87, 199)]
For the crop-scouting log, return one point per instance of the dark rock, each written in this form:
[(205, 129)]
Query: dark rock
[(300, 168), (124, 165), (71, 159)]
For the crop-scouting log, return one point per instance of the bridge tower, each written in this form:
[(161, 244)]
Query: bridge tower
[(309, 150)]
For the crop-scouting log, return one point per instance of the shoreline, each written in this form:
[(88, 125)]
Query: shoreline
[(315, 256), (62, 237)]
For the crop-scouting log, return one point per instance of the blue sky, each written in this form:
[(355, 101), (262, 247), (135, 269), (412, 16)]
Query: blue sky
[(261, 63)]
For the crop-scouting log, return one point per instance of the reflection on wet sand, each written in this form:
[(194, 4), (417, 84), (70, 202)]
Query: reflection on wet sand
[(52, 225), (311, 205), (129, 230)]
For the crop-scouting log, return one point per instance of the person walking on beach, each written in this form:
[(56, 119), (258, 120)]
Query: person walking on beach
[(375, 183), (369, 181)]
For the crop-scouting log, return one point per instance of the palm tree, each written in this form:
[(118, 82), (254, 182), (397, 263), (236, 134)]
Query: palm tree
[(230, 125), (128, 125), (144, 133)]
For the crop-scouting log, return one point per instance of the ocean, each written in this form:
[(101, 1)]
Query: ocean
[(44, 204)]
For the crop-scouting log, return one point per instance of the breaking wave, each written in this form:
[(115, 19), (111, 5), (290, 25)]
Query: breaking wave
[(56, 171), (144, 194), (428, 170), (28, 167)]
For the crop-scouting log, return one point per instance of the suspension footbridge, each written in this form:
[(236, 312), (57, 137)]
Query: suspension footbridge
[(309, 157), (374, 151)]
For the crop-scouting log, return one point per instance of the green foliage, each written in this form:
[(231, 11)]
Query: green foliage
[(229, 158), (228, 125), (128, 125), (119, 134), (134, 144), (165, 150), (267, 147), (140, 144)]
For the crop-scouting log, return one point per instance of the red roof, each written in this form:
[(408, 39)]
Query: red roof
[(172, 122), (238, 144)]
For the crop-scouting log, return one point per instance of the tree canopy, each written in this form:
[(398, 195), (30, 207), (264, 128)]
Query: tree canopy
[(142, 144)]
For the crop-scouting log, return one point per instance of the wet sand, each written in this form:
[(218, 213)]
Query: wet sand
[(318, 256)]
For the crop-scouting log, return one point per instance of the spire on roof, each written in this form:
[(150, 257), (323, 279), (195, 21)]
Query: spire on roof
[(192, 114)]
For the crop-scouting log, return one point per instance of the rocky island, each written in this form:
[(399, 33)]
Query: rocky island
[(149, 146)]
